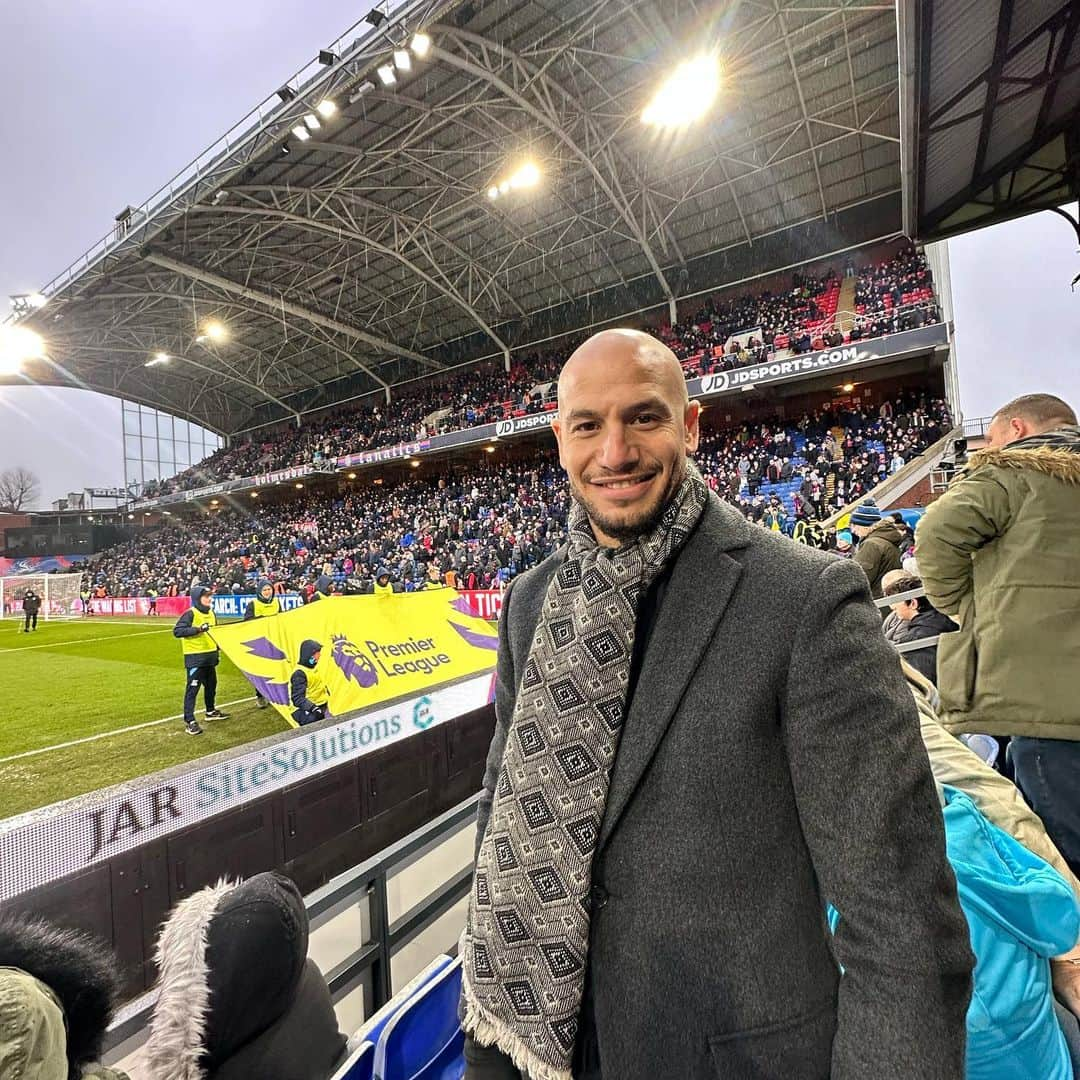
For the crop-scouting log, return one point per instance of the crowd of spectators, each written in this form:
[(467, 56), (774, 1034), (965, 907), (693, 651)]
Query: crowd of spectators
[(483, 528), (892, 295)]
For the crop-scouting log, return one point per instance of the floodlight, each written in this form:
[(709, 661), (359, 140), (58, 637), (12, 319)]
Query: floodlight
[(402, 60), (36, 300), (364, 88), (352, 476), (421, 45), (386, 74), (131, 517), (327, 58), (504, 187), (17, 345), (298, 486), (528, 175), (415, 464), (157, 358), (848, 387), (493, 191), (326, 108), (375, 17), (286, 93), (312, 122), (215, 331), (686, 95), (301, 133), (254, 494), (490, 449)]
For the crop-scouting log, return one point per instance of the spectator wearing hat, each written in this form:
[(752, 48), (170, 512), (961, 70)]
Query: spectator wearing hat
[(877, 543), (238, 998), (58, 990)]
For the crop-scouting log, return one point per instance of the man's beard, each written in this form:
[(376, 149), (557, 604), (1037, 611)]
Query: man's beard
[(627, 530)]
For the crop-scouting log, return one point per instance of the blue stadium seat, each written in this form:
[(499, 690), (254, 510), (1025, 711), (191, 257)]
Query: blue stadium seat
[(359, 1064), (424, 1040), (986, 746)]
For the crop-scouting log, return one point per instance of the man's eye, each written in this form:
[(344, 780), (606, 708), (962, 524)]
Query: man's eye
[(585, 426)]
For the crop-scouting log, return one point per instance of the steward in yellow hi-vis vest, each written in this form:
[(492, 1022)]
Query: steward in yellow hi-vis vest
[(383, 585), (307, 689), (194, 629), (264, 605)]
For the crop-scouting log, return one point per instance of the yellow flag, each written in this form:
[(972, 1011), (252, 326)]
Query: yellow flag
[(374, 648)]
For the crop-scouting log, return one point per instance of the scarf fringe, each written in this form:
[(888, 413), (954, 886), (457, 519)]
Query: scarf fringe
[(489, 1031)]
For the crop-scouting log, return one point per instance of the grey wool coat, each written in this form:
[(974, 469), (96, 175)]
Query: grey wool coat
[(770, 762)]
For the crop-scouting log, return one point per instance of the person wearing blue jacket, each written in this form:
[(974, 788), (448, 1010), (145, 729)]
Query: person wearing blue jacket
[(201, 656), (1020, 913)]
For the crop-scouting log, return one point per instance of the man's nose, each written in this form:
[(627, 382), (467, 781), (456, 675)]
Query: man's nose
[(617, 452)]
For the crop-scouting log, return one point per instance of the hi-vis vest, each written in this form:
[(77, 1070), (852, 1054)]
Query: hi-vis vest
[(200, 643), (263, 609), (383, 590), (316, 687)]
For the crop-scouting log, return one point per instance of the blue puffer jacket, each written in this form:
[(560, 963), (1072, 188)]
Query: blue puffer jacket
[(1020, 912)]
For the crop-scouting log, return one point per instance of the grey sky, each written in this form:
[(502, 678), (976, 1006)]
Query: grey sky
[(105, 101)]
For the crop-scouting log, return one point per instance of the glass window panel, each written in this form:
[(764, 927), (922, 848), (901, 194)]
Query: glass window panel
[(183, 456), (133, 470), (131, 421), (132, 447), (149, 449), (165, 451), (164, 426), (180, 429)]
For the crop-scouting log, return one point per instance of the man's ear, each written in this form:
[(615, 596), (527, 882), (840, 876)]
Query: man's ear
[(692, 421)]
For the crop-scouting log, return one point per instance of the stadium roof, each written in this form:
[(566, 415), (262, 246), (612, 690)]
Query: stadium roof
[(991, 110), (370, 253)]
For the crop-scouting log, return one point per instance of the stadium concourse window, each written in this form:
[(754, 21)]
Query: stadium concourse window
[(157, 445)]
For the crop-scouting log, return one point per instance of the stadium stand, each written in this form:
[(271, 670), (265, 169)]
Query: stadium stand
[(486, 526), (895, 294)]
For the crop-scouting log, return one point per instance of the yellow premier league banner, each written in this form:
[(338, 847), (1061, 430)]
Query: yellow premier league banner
[(374, 648)]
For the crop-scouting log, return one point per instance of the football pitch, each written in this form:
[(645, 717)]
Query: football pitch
[(92, 702)]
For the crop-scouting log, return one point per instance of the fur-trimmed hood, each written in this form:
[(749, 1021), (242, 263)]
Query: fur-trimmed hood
[(236, 993), (1055, 453), (77, 971)]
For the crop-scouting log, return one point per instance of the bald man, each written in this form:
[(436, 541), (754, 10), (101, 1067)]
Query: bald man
[(702, 739)]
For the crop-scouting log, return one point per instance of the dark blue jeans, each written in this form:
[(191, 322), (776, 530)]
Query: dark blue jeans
[(1048, 773)]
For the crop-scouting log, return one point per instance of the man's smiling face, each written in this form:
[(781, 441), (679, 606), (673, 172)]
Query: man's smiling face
[(624, 430)]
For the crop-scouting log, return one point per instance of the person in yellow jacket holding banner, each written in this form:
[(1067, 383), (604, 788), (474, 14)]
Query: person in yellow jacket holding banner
[(307, 688), (434, 578), (201, 657), (265, 604), (383, 585)]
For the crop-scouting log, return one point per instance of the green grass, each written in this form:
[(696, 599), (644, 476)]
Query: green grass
[(74, 679)]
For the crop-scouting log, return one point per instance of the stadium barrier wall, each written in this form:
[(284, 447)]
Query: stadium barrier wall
[(130, 853), (487, 603)]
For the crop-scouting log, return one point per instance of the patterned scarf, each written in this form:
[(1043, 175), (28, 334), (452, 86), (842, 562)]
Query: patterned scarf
[(527, 938)]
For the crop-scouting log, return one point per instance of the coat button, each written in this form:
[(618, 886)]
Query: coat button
[(598, 896)]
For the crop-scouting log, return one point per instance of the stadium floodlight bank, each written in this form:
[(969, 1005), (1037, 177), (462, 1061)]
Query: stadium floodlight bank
[(60, 595)]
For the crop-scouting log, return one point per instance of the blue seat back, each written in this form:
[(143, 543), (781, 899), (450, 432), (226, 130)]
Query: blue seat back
[(425, 1032), (358, 1065)]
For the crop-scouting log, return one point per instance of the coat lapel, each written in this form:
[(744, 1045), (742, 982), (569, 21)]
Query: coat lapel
[(701, 583)]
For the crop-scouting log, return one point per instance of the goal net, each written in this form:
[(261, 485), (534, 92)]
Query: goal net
[(59, 595)]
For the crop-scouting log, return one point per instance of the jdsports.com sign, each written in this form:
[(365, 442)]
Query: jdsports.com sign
[(525, 423), (784, 369)]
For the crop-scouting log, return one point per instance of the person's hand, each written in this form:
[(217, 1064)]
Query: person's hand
[(1065, 973), (205, 628)]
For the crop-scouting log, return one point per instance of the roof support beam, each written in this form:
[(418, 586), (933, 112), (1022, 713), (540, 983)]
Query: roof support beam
[(1001, 45), (307, 222), (278, 303), (556, 129)]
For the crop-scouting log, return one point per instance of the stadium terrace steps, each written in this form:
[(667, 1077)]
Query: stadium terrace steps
[(845, 315)]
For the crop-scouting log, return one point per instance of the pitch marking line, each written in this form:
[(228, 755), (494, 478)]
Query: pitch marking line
[(109, 734), (82, 641)]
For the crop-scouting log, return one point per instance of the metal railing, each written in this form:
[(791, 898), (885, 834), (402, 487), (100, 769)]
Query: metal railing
[(364, 887), (898, 598)]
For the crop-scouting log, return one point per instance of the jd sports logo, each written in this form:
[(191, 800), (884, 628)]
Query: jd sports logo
[(713, 384), (504, 427)]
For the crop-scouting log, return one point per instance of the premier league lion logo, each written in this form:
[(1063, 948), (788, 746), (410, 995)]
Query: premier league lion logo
[(354, 663)]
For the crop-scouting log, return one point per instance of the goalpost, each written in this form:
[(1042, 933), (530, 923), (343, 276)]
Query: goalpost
[(59, 594)]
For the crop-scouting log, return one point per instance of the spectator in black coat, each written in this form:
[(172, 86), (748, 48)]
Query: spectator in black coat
[(915, 620)]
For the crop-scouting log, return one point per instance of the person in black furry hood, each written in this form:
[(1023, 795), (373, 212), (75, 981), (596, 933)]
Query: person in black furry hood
[(58, 990)]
